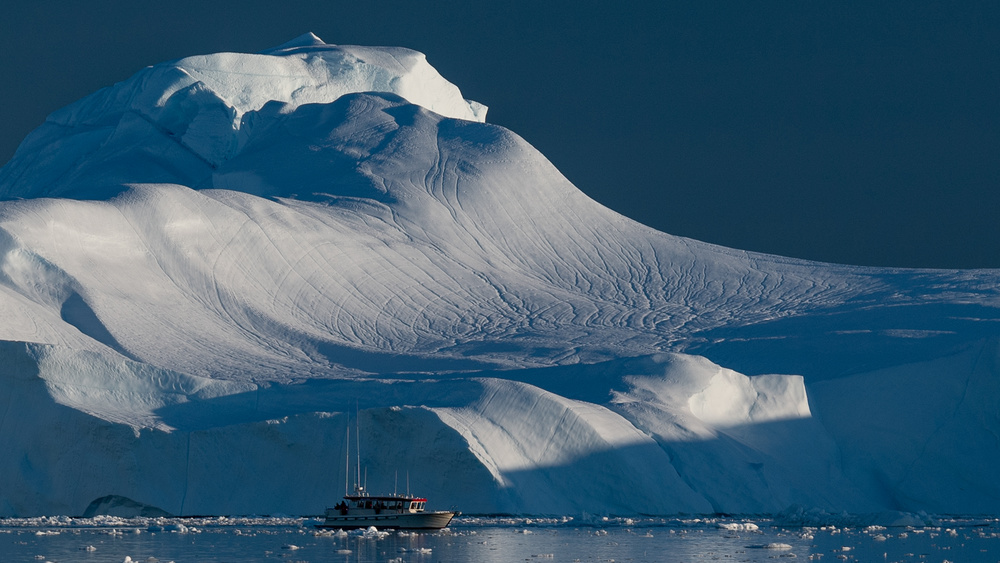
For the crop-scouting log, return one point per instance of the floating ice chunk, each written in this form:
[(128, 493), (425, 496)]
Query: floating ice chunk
[(421, 550), (738, 526), (778, 545), (373, 533), (773, 545)]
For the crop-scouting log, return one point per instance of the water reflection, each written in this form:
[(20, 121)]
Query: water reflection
[(114, 540)]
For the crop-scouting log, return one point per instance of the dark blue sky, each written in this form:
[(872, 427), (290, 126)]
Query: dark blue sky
[(864, 133)]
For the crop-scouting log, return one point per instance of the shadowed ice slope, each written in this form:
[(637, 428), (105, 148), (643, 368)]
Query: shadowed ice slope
[(204, 267)]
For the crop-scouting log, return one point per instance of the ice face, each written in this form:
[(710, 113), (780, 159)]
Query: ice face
[(206, 268)]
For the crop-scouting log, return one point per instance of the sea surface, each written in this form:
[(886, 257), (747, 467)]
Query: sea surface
[(495, 539)]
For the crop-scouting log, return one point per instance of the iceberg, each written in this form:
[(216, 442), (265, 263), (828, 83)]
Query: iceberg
[(208, 270)]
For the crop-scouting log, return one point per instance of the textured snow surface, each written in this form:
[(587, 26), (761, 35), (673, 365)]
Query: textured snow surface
[(207, 269)]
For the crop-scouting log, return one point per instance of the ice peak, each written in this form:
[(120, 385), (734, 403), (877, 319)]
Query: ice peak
[(309, 39), (198, 103)]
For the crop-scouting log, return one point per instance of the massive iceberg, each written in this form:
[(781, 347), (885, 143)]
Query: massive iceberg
[(211, 271)]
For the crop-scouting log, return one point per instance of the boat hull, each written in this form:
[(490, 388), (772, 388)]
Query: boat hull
[(406, 521)]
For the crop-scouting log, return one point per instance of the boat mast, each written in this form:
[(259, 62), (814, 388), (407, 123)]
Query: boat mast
[(357, 428), (347, 457)]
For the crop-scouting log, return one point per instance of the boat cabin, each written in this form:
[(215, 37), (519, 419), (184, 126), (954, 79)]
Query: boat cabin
[(391, 504)]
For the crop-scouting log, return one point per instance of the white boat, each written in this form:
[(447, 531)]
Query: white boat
[(362, 510)]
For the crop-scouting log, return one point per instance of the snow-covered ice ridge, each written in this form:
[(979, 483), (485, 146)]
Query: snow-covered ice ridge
[(204, 268)]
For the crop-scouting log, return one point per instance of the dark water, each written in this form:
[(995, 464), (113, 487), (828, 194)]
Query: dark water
[(114, 540)]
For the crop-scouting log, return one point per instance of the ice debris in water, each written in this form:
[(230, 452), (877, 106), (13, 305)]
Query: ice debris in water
[(373, 533), (421, 550), (777, 545), (738, 526)]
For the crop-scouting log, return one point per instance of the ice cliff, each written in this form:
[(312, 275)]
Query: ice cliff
[(209, 270)]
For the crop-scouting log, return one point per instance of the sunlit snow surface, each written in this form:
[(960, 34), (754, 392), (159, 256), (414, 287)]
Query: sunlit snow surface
[(210, 270), (113, 540)]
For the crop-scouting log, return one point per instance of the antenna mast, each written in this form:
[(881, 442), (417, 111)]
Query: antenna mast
[(357, 428)]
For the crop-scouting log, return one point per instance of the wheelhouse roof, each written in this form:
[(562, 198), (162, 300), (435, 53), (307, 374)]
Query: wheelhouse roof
[(385, 497)]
